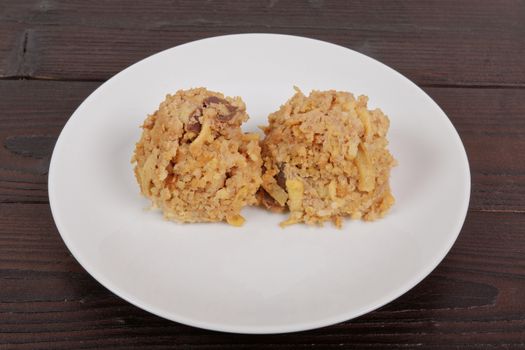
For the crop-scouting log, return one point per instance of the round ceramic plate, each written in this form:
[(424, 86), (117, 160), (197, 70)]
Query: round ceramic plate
[(259, 278)]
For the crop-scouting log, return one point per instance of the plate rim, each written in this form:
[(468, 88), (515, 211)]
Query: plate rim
[(295, 327)]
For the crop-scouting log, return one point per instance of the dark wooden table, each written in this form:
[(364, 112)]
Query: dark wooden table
[(467, 55)]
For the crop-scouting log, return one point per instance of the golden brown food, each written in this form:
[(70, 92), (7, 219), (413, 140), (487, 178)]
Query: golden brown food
[(194, 162), (325, 157)]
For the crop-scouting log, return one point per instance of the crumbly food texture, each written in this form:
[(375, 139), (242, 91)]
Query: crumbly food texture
[(193, 160), (325, 157)]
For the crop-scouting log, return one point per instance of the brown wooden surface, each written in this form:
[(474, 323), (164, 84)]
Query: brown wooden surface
[(469, 56), (439, 42)]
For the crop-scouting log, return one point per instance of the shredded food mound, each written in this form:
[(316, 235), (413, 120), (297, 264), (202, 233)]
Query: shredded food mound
[(193, 160), (325, 157)]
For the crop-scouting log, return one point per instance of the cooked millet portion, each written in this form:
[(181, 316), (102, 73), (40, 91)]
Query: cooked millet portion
[(194, 162), (325, 157)]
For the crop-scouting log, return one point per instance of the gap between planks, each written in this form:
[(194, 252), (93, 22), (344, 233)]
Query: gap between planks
[(424, 85)]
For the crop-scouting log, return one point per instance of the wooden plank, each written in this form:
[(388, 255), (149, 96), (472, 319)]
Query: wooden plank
[(491, 123), (474, 299), (32, 114), (13, 40), (402, 16), (437, 42)]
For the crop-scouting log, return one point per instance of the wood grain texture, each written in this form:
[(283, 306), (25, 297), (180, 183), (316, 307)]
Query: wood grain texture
[(474, 299), (469, 56), (13, 40), (491, 123), (433, 42), (32, 114)]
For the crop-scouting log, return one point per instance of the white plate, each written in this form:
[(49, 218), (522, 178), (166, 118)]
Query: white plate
[(258, 278)]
